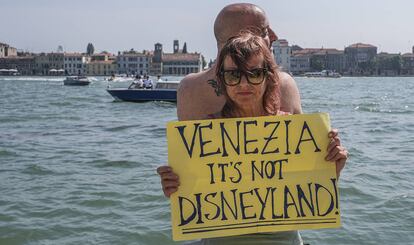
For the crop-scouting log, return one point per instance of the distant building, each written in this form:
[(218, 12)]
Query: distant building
[(328, 59), (360, 59), (101, 68), (282, 53), (388, 64), (7, 51), (49, 64), (132, 62), (317, 59), (25, 65), (300, 62), (75, 63), (156, 60), (178, 63), (408, 64), (103, 64)]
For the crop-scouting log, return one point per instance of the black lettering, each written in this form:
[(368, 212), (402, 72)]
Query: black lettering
[(198, 200), (187, 220), (212, 203), (238, 172), (223, 172), (260, 172), (211, 165), (262, 202), (281, 166), (203, 143), (256, 150), (224, 132), (287, 203), (274, 216), (244, 207), (336, 195), (305, 126), (309, 201), (287, 137), (317, 188), (223, 200), (270, 138), (181, 131)]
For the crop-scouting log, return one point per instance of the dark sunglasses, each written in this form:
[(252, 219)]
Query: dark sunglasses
[(233, 77)]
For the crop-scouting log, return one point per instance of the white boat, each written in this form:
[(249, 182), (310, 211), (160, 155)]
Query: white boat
[(76, 81), (324, 73)]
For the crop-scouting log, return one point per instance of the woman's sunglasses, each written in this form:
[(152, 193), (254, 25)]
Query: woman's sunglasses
[(233, 77)]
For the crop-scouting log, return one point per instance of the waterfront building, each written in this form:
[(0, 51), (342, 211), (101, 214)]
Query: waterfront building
[(102, 64), (24, 65), (360, 59), (49, 64), (299, 62), (7, 51), (178, 63), (317, 59), (156, 60), (75, 63), (101, 68), (282, 53), (408, 64), (328, 59), (132, 62), (388, 64)]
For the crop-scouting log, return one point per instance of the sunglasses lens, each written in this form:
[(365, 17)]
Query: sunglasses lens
[(231, 77), (256, 76)]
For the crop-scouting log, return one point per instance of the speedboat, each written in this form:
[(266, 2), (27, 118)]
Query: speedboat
[(163, 91), (76, 81), (324, 73)]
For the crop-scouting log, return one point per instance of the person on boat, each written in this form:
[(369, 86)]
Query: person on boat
[(159, 78), (249, 80), (137, 83), (148, 82)]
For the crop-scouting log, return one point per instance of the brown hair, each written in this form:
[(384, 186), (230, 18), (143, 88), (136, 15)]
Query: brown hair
[(240, 49)]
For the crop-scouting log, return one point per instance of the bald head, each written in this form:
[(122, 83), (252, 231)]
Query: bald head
[(241, 16)]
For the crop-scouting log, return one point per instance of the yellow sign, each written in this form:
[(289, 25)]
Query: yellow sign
[(250, 175)]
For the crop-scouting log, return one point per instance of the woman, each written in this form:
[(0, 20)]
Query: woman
[(247, 75)]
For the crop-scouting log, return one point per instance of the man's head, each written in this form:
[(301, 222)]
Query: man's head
[(242, 16)]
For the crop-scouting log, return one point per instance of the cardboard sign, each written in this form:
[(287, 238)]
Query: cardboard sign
[(250, 175)]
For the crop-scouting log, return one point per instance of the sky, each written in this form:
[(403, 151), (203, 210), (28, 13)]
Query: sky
[(43, 25)]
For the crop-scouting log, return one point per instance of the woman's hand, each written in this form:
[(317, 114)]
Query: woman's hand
[(336, 152), (169, 180)]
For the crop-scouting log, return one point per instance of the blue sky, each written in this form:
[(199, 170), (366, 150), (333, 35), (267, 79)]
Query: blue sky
[(42, 25)]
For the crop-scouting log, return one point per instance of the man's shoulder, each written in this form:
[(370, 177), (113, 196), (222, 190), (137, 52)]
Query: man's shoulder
[(199, 77), (286, 79), (194, 81)]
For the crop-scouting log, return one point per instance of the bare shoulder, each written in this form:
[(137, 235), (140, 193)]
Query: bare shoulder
[(289, 93), (191, 83), (196, 97), (286, 80)]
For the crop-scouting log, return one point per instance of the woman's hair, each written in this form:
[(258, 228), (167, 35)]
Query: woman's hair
[(240, 49)]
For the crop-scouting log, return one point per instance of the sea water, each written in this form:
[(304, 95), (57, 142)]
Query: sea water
[(78, 168)]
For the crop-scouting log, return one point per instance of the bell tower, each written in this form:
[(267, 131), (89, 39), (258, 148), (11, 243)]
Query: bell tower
[(176, 46)]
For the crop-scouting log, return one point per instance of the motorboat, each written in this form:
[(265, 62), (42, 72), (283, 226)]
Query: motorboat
[(324, 73), (76, 81), (163, 91)]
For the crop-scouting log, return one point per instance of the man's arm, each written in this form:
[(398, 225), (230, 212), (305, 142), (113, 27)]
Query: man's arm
[(185, 99), (289, 94)]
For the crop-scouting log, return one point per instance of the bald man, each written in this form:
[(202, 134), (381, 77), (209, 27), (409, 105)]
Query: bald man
[(198, 94)]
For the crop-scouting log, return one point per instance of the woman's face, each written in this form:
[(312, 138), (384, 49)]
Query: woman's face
[(245, 94)]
